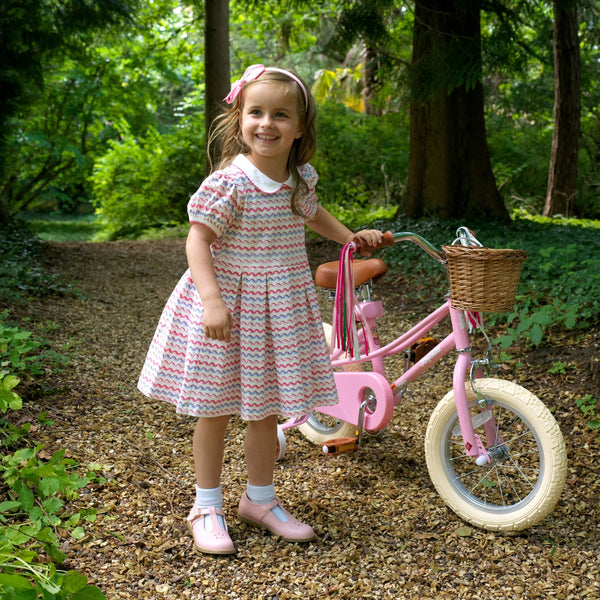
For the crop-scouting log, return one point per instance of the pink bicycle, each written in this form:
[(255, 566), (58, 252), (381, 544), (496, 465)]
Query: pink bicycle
[(494, 452)]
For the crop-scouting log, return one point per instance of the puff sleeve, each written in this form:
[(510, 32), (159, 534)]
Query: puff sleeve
[(214, 204), (308, 203)]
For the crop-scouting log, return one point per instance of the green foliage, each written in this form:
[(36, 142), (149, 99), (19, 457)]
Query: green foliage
[(60, 227), (276, 33), (146, 183), (14, 345), (590, 407), (118, 76), (126, 84), (362, 160), (20, 272), (36, 489), (9, 398), (519, 153), (36, 35), (558, 367), (560, 280)]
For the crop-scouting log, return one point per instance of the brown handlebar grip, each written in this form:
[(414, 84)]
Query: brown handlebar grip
[(387, 240)]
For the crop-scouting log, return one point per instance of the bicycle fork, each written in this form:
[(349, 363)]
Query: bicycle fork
[(472, 442)]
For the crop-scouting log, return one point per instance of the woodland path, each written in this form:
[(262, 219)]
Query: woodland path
[(383, 532)]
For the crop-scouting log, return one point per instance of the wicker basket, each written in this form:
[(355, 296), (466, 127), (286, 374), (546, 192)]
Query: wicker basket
[(483, 279)]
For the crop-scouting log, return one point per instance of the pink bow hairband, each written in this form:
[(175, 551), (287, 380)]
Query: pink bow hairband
[(252, 73)]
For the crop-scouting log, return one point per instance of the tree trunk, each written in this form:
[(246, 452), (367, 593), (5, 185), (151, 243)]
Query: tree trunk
[(216, 60), (562, 178), (370, 83), (450, 173)]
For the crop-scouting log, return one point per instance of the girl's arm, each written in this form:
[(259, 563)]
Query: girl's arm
[(217, 318), (325, 224)]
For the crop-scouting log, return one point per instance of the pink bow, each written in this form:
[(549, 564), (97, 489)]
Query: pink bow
[(250, 74)]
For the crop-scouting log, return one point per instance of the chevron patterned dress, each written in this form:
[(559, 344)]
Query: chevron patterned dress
[(277, 362)]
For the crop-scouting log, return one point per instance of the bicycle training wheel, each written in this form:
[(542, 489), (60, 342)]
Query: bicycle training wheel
[(321, 428), (524, 480)]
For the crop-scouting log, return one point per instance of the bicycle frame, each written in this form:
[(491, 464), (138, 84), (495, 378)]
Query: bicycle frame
[(508, 479), (352, 385)]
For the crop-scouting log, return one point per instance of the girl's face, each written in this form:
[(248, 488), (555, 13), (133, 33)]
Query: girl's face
[(270, 123)]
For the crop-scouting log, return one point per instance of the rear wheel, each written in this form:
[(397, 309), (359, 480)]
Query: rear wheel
[(524, 480), (281, 444), (321, 428)]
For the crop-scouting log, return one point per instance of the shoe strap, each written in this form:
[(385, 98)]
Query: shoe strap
[(211, 513), (272, 505)]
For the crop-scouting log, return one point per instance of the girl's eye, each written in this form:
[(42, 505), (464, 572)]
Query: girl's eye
[(281, 115)]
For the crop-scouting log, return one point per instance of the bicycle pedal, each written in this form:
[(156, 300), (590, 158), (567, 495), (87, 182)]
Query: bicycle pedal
[(340, 445), (421, 347)]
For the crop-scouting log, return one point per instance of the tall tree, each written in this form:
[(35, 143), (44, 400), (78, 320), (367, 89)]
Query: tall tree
[(32, 30), (362, 24), (216, 58), (450, 172), (562, 178)]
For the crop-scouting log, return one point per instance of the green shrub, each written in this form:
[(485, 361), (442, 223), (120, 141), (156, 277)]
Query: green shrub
[(34, 509), (60, 227), (362, 160), (146, 183), (590, 407), (20, 272), (560, 280), (520, 153), (35, 489)]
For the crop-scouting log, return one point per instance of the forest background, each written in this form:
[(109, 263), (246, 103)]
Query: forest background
[(103, 107), (430, 114)]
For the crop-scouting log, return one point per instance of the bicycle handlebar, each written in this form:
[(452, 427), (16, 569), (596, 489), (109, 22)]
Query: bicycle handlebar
[(464, 237), (389, 239), (407, 236)]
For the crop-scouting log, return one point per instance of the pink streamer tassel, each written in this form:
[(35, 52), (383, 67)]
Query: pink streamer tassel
[(344, 323)]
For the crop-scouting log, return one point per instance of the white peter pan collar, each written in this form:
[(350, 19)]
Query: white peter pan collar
[(258, 178)]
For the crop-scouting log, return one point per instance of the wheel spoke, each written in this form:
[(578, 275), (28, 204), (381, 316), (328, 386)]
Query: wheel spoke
[(514, 468)]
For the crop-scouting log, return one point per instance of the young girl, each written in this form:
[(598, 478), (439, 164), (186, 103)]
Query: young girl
[(241, 333)]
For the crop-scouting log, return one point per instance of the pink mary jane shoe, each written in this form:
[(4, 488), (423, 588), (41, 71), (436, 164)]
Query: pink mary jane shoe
[(260, 515), (211, 540)]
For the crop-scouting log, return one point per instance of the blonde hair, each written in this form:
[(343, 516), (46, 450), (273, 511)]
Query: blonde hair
[(226, 133)]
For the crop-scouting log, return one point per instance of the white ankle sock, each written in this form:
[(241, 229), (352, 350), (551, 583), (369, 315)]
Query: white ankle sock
[(207, 497), (263, 494)]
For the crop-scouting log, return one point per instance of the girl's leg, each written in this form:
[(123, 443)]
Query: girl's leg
[(259, 505), (260, 447), (206, 519), (209, 446)]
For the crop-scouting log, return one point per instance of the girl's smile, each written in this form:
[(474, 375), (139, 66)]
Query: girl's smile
[(270, 124)]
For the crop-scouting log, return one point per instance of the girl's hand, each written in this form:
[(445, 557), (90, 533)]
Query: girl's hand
[(217, 320), (367, 238)]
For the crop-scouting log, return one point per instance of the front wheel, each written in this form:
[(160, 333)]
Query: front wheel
[(524, 480)]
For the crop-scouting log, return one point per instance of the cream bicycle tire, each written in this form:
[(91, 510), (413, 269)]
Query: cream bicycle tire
[(317, 432), (532, 456)]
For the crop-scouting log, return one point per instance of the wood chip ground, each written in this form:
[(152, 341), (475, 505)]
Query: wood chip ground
[(383, 532)]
